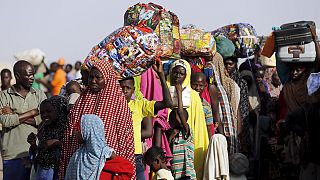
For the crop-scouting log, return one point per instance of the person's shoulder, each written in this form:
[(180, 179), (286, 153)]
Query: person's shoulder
[(38, 91), (195, 94), (8, 91), (4, 92), (139, 102)]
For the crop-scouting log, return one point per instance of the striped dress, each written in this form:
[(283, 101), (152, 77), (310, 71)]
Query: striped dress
[(183, 156)]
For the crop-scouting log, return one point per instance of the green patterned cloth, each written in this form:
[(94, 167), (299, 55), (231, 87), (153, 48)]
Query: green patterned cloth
[(183, 157)]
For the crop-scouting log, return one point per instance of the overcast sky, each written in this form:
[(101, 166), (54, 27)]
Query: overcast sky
[(70, 28)]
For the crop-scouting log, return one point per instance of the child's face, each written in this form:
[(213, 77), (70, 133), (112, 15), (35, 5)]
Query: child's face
[(6, 79), (127, 88), (48, 113), (216, 124), (74, 89), (155, 165), (198, 83), (259, 76)]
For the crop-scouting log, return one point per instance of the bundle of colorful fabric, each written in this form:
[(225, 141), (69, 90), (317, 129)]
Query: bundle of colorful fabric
[(196, 42), (131, 50), (164, 23), (242, 35)]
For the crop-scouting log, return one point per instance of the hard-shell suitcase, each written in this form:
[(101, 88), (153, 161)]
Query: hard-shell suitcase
[(294, 33), (297, 53)]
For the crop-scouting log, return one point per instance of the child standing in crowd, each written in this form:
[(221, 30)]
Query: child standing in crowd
[(5, 79), (182, 141), (156, 159), (94, 158), (53, 112), (198, 83), (144, 108), (73, 92)]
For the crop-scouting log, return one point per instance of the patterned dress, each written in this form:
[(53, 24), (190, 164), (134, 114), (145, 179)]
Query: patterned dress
[(49, 158), (183, 156)]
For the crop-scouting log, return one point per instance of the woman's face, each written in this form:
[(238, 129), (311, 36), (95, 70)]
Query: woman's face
[(178, 75), (230, 65), (48, 113), (297, 73), (96, 80)]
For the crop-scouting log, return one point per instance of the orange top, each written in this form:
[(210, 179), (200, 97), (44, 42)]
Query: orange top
[(58, 80)]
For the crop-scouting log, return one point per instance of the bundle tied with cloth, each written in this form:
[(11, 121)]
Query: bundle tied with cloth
[(242, 35), (196, 42), (163, 22), (131, 50), (34, 56)]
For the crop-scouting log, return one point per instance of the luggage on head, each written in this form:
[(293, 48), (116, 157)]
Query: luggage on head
[(34, 56), (224, 46), (294, 33), (294, 43), (131, 50), (243, 36), (196, 42), (297, 53), (164, 23)]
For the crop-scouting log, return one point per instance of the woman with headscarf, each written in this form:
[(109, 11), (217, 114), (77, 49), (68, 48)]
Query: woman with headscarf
[(230, 86), (233, 73), (104, 98), (180, 72), (227, 118)]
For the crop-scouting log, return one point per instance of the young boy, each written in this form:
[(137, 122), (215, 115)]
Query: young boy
[(144, 108), (5, 79), (156, 159), (198, 83)]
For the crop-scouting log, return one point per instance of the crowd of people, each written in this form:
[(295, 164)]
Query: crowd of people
[(190, 118)]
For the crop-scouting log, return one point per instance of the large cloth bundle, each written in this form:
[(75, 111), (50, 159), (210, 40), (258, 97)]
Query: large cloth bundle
[(243, 36), (196, 42), (34, 56), (164, 23), (293, 42), (224, 46), (131, 50)]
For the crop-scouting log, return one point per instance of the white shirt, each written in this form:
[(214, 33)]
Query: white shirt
[(163, 174)]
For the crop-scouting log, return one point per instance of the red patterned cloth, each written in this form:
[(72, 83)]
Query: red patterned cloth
[(111, 106)]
